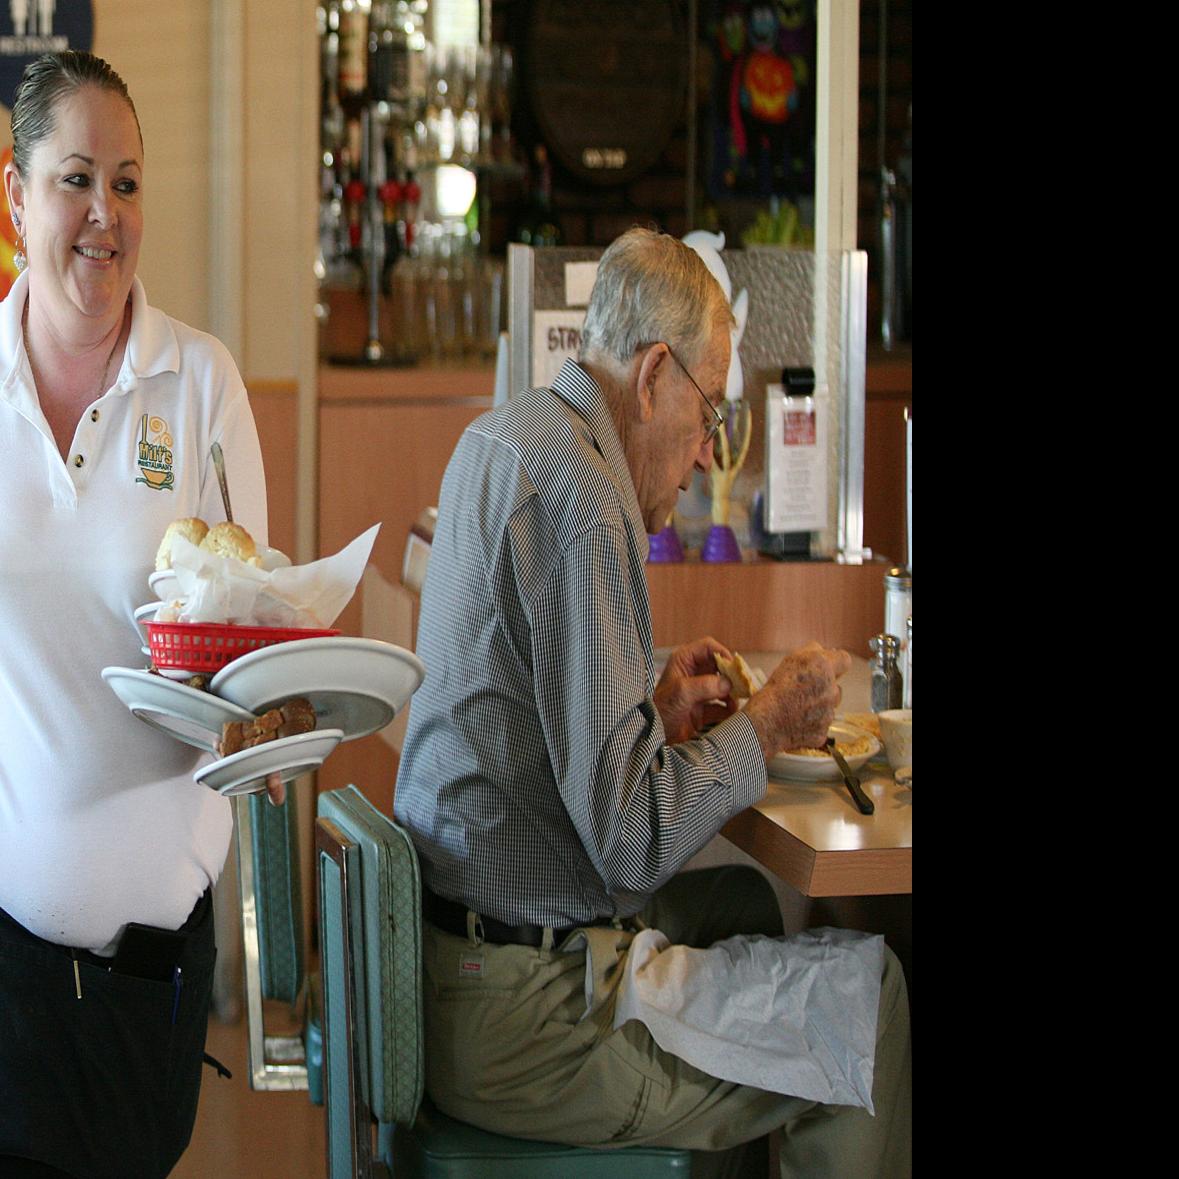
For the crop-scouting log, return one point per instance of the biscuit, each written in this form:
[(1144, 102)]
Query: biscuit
[(737, 672)]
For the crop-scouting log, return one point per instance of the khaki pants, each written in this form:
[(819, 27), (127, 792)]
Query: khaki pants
[(510, 1048)]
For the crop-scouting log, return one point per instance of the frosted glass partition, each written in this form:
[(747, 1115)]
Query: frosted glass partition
[(804, 310)]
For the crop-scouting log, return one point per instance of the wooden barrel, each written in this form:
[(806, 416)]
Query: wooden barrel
[(607, 82)]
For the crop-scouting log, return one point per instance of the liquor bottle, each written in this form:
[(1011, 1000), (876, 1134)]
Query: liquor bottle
[(331, 114), (341, 269), (353, 194), (388, 57), (538, 226), (390, 194), (353, 57), (411, 196)]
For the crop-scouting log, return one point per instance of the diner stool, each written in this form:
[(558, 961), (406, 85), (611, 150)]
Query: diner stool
[(370, 912)]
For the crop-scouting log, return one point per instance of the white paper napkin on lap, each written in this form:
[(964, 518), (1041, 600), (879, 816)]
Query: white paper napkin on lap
[(794, 1015), (220, 589)]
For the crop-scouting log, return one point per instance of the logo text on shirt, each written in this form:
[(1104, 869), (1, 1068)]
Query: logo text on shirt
[(154, 457)]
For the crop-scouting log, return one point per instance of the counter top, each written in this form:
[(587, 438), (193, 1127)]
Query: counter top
[(811, 834)]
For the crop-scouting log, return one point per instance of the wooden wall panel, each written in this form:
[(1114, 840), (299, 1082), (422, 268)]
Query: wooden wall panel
[(381, 460), (274, 407), (162, 53), (889, 392), (383, 463), (884, 477), (768, 605), (368, 764)]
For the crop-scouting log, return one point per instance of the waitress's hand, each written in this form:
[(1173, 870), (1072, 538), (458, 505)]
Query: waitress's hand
[(691, 693), (276, 789)]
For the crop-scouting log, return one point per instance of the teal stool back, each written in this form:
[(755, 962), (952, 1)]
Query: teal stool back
[(374, 1055)]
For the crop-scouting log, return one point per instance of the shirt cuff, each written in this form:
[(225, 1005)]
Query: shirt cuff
[(735, 743)]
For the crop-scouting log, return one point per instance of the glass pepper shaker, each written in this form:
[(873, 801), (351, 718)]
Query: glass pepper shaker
[(887, 686)]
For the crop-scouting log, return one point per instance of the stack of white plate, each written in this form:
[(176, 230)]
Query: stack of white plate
[(356, 686)]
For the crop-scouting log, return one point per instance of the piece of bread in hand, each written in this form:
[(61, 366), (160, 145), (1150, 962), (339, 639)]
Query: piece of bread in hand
[(738, 673), (190, 527), (231, 540)]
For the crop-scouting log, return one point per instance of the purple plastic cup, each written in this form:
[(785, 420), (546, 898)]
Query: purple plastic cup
[(720, 546), (666, 548)]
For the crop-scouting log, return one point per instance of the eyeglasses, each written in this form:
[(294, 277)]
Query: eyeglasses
[(715, 421)]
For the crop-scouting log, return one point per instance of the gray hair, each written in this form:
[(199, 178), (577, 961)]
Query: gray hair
[(48, 80), (650, 287)]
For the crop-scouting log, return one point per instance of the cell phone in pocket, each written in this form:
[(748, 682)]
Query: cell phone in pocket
[(147, 952)]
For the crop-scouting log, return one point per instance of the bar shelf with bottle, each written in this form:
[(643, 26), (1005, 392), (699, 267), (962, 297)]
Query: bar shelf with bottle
[(415, 109)]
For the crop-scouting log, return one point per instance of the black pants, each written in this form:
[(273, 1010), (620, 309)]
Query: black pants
[(105, 1085)]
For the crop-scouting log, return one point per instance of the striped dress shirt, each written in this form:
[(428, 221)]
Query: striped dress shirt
[(536, 779)]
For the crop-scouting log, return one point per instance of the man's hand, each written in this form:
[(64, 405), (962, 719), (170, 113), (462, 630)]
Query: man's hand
[(690, 693), (798, 703)]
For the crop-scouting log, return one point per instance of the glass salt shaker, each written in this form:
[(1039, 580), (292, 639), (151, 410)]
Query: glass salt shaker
[(909, 663), (898, 605), (887, 686)]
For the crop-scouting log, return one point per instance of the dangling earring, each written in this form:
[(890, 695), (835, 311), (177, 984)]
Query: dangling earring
[(18, 259)]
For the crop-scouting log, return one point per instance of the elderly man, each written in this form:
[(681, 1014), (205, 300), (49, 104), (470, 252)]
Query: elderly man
[(553, 789)]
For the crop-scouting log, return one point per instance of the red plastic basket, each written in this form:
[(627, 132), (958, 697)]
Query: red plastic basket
[(209, 646)]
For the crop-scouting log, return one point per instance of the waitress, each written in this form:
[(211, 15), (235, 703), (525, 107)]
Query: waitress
[(108, 408)]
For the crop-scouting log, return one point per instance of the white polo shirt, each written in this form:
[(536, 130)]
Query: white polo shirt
[(100, 820)]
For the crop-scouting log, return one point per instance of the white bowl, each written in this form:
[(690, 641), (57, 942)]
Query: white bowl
[(896, 729)]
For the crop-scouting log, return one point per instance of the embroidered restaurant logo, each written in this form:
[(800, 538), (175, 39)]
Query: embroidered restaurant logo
[(155, 454)]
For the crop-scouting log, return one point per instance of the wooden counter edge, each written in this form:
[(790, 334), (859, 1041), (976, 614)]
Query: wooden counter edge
[(766, 842), (845, 873)]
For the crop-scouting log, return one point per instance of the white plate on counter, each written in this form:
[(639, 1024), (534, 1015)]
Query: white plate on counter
[(798, 767), (245, 772), (188, 714), (356, 685)]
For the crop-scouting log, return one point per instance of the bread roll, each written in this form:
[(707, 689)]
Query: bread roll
[(231, 540), (737, 672), (190, 527)]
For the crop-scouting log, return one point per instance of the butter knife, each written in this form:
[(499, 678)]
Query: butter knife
[(863, 803), (219, 467)]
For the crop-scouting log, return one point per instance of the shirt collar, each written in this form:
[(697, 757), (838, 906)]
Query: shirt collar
[(581, 392), (152, 347)]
